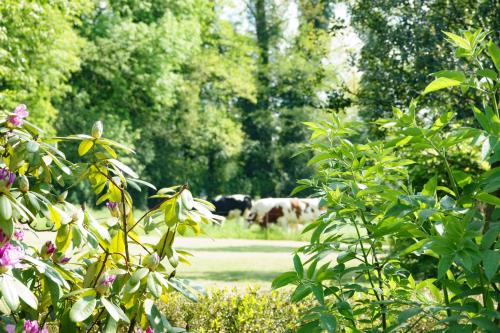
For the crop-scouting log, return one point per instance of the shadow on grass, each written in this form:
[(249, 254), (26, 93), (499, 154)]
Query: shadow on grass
[(256, 248), (231, 276)]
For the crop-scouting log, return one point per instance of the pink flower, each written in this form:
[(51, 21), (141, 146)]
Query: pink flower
[(148, 330), (31, 326), (10, 328), (10, 256), (16, 118), (6, 179), (64, 260), (107, 281), (19, 235)]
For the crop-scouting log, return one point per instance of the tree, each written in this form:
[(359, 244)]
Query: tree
[(163, 75), (291, 78), (403, 43), (39, 49)]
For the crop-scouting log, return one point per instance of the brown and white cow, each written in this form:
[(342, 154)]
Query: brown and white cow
[(284, 211)]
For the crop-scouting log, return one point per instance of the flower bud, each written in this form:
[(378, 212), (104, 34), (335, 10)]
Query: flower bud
[(47, 250), (62, 197), (104, 283), (151, 261), (6, 179), (97, 129), (24, 184), (113, 208)]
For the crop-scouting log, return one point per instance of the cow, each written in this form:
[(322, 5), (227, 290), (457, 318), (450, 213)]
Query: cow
[(284, 211), (232, 205)]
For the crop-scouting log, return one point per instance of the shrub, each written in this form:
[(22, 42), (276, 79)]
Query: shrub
[(228, 311), (89, 277), (454, 218)]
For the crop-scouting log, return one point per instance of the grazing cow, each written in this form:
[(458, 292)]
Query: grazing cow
[(232, 205), (284, 211)]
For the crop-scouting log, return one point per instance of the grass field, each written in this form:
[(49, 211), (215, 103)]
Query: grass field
[(236, 262)]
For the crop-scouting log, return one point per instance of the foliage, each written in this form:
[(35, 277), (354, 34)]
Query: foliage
[(163, 76), (403, 43), (233, 311), (39, 49), (453, 218), (90, 275)]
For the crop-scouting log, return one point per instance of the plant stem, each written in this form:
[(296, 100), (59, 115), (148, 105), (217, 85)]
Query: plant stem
[(124, 222), (446, 297), (132, 326), (96, 320), (102, 268)]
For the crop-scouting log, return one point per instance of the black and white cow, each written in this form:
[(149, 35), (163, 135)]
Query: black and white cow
[(232, 205), (285, 211)]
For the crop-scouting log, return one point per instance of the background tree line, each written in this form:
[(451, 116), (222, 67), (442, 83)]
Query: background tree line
[(205, 101)]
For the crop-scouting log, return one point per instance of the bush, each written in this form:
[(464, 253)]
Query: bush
[(228, 311), (88, 276), (454, 219)]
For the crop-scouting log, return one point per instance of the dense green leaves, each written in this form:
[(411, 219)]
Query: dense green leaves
[(379, 218)]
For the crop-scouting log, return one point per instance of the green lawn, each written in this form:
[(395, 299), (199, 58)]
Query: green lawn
[(236, 262)]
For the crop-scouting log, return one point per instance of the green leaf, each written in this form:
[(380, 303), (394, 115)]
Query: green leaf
[(123, 167), (5, 208), (114, 311), (491, 261), (284, 279), (488, 198), (187, 199), (430, 187), (444, 265), (111, 326), (311, 327), (156, 319), (407, 314), (450, 74), (441, 83), (83, 308), (485, 324), (300, 293), (9, 291), (494, 52), (458, 41), (298, 265), (139, 274), (490, 74), (154, 285), (25, 294), (85, 146), (183, 288), (328, 322)]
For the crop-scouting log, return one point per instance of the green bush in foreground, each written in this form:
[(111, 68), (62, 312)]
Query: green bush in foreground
[(229, 311), (92, 274), (454, 218)]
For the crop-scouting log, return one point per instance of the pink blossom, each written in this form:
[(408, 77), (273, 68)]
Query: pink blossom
[(10, 256), (19, 235), (64, 260), (148, 330), (16, 118), (31, 326), (10, 328), (107, 281)]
